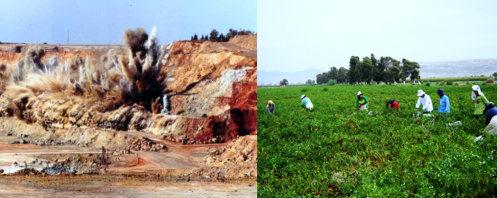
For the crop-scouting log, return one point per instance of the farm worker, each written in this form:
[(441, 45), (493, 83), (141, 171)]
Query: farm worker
[(490, 120), (425, 101), (490, 112), (444, 106), (393, 104), (361, 101), (479, 99), (306, 102), (270, 106)]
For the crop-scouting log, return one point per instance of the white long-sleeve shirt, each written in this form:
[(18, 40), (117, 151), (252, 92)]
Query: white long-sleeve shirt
[(425, 102)]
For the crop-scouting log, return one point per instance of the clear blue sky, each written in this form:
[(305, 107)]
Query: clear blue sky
[(296, 35), (104, 22)]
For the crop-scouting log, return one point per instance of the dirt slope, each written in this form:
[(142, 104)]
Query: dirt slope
[(211, 87), (93, 110)]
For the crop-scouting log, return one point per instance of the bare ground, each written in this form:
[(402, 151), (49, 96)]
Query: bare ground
[(117, 186), (182, 171)]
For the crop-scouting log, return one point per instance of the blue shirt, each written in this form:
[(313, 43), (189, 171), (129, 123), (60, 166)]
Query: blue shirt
[(490, 114), (444, 105), (305, 101)]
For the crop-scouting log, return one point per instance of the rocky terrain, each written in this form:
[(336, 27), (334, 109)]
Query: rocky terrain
[(179, 112), (210, 87), (118, 186)]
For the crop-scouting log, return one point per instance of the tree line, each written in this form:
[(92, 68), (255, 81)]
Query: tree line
[(214, 35), (339, 75), (386, 69), (370, 69)]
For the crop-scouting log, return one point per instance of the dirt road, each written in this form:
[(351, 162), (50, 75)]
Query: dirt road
[(140, 174), (116, 186)]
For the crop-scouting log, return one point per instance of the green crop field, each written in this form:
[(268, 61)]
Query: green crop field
[(338, 151), (457, 79)]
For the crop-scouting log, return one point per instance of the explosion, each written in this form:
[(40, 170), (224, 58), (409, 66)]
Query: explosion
[(141, 67), (129, 78)]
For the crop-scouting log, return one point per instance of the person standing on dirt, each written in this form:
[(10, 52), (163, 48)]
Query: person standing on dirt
[(306, 102), (270, 107), (393, 104), (479, 99), (361, 101), (424, 100), (165, 105), (444, 106)]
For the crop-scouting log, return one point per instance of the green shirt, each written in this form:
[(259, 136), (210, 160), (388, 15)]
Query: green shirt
[(480, 102), (363, 101)]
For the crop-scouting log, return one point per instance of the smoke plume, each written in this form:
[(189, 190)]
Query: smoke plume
[(129, 78)]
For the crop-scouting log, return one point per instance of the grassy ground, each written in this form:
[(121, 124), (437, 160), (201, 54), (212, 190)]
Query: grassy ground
[(457, 79), (337, 151)]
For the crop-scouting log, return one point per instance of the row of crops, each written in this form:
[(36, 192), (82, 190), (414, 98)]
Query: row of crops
[(337, 151)]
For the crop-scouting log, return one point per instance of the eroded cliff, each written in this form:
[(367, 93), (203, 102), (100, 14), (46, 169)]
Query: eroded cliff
[(210, 88)]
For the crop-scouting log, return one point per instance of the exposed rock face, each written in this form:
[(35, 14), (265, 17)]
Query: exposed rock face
[(84, 137), (240, 156), (211, 89)]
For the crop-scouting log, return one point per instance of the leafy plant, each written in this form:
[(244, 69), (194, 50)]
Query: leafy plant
[(336, 150), (332, 82)]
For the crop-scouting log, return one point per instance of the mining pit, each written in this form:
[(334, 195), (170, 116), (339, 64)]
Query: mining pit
[(137, 119)]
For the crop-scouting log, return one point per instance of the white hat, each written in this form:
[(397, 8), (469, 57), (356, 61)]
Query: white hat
[(421, 93), (359, 93), (270, 102), (475, 88), (302, 97)]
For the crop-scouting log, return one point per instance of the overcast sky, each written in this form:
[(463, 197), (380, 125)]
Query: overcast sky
[(296, 35), (104, 22)]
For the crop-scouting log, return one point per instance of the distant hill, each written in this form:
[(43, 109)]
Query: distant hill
[(462, 68), (274, 77), (438, 69)]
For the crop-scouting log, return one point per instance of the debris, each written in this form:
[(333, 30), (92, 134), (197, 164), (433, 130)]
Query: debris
[(20, 141), (456, 123), (238, 158), (479, 139)]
